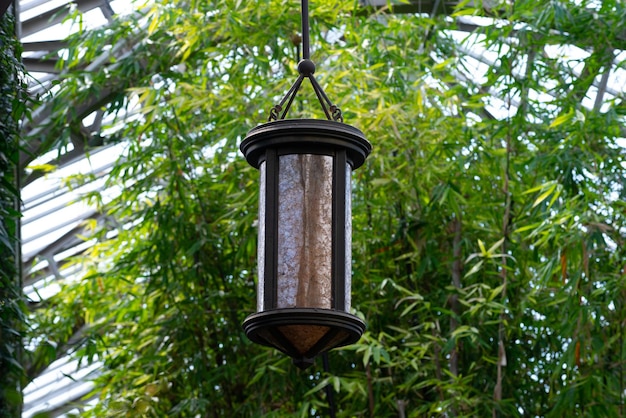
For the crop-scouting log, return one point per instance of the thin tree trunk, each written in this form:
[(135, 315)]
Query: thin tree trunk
[(454, 300), (401, 404), (370, 389), (497, 391), (438, 373)]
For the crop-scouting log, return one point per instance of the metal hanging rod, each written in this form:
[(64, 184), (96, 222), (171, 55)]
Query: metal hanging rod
[(306, 38), (306, 68)]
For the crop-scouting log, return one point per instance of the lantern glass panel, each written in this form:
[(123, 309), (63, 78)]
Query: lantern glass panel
[(305, 191), (260, 294), (348, 244)]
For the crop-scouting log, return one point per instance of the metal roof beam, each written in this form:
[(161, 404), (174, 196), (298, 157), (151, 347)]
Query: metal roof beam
[(47, 46), (38, 65), (33, 147), (57, 15), (28, 5)]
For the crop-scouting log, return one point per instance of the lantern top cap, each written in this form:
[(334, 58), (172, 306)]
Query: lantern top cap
[(305, 136)]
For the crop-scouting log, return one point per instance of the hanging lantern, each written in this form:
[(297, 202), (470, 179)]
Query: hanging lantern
[(305, 230), (305, 225)]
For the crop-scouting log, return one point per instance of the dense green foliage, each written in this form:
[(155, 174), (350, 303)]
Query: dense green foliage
[(489, 221), (11, 308)]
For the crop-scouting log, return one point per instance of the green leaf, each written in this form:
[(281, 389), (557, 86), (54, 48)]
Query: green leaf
[(566, 117), (543, 196), (483, 251), (475, 268)]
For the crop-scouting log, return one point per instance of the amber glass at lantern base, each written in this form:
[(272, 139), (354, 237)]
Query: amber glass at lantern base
[(303, 333)]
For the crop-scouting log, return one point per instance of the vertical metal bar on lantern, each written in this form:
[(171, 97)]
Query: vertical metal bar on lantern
[(269, 257), (339, 228)]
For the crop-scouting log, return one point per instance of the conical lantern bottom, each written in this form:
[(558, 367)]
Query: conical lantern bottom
[(303, 333)]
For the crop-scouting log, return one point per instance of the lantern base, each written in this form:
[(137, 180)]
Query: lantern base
[(303, 333)]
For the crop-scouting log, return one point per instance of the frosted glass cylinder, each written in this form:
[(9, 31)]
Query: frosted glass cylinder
[(305, 233), (260, 294), (348, 248), (305, 239)]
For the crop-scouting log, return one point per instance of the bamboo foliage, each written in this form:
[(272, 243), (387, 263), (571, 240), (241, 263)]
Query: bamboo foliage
[(489, 227)]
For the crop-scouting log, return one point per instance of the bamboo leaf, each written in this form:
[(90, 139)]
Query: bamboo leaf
[(543, 196), (566, 117), (475, 268)]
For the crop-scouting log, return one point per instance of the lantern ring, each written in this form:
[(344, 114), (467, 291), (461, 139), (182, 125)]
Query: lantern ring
[(305, 136)]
